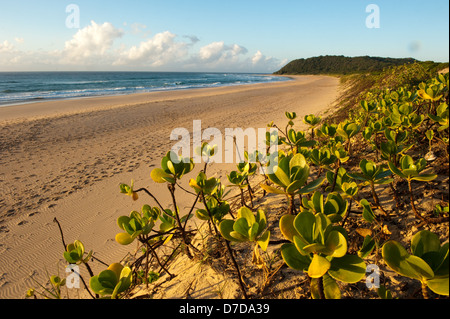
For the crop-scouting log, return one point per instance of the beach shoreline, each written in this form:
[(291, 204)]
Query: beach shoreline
[(65, 159), (52, 108)]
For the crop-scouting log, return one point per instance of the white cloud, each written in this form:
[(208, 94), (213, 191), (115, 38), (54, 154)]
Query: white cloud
[(219, 52), (97, 47), (6, 47), (260, 61), (90, 44), (157, 51)]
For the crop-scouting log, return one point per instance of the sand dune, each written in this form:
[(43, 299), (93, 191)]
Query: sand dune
[(65, 159)]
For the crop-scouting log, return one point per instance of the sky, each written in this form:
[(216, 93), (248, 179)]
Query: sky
[(208, 35)]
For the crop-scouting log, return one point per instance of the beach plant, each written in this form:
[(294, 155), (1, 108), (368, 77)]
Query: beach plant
[(52, 292), (326, 134), (248, 227), (333, 206), (371, 134), (248, 168), (337, 178), (341, 156), (410, 170), (137, 224), (367, 212), (291, 175), (129, 190), (372, 174), (173, 167), (113, 281), (441, 116), (297, 140), (367, 246), (212, 193), (240, 180), (291, 116), (322, 158), (319, 248), (218, 210), (394, 146), (428, 261), (347, 130), (75, 253), (312, 121), (441, 209), (204, 185), (441, 119)]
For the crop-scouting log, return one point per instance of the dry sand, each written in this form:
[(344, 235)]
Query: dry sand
[(65, 159)]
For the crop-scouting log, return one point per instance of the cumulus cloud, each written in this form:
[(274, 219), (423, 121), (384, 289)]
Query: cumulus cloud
[(260, 61), (91, 43), (97, 47), (218, 51), (161, 49)]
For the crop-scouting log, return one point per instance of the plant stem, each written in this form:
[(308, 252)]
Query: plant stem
[(348, 212), (236, 266), (335, 176), (376, 199), (177, 215), (291, 209), (62, 235), (425, 291), (320, 288), (413, 206), (151, 195), (210, 215)]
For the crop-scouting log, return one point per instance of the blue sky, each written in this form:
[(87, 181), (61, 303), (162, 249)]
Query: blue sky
[(199, 35)]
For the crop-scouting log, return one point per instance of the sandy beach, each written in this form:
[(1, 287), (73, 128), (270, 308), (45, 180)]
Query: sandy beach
[(65, 159)]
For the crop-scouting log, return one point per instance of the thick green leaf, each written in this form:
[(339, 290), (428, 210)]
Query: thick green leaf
[(423, 242), (108, 279), (367, 247), (297, 161), (330, 288), (272, 190), (253, 231), (398, 259), (318, 267), (304, 223), (442, 266), (424, 177), (263, 241), (287, 227), (242, 227), (311, 187), (261, 220), (294, 186), (293, 258), (124, 238), (98, 288), (225, 228), (349, 268), (300, 244), (158, 175), (395, 170), (246, 213), (439, 285), (282, 176), (336, 243)]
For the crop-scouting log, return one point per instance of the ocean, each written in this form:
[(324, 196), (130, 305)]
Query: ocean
[(29, 87)]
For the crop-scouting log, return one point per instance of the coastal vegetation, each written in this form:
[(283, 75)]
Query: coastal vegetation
[(342, 65), (365, 187)]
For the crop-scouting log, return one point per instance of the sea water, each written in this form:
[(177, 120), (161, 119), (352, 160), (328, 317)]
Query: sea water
[(28, 87)]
